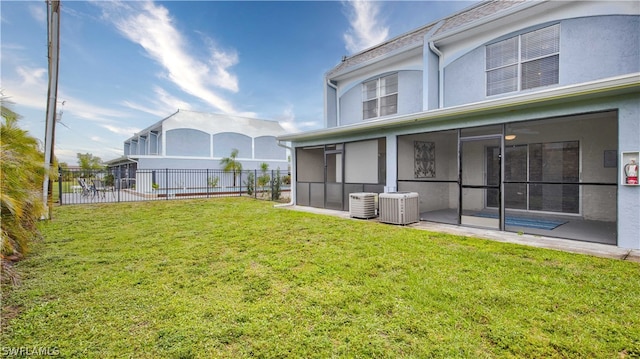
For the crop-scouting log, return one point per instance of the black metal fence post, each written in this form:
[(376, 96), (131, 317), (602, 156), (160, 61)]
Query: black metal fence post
[(60, 179), (272, 185), (118, 184), (166, 183)]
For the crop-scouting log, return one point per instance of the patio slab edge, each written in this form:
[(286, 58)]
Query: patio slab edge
[(560, 244)]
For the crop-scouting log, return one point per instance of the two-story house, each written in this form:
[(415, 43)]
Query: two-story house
[(510, 115)]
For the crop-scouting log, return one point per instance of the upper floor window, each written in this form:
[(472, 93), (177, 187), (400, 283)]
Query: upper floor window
[(523, 62), (380, 97)]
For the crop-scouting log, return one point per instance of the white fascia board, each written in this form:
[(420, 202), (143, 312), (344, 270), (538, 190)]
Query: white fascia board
[(615, 85)]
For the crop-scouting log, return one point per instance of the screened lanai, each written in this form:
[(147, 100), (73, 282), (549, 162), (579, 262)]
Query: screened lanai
[(554, 177), (327, 174)]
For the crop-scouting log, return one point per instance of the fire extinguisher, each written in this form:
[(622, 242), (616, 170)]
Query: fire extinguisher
[(631, 172)]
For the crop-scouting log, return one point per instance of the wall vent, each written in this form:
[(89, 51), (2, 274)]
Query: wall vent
[(399, 207), (362, 205)]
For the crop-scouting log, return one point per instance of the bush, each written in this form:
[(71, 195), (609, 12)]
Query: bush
[(275, 188), (286, 179), (213, 181), (250, 183), (21, 178)]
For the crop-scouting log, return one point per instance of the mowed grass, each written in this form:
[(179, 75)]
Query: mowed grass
[(239, 278)]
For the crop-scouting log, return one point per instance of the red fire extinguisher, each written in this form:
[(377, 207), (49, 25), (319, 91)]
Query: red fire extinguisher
[(631, 172)]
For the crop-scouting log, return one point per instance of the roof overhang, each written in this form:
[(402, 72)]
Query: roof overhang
[(608, 87), (120, 161), (377, 62)]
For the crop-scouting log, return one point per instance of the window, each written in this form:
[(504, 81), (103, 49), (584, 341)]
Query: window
[(523, 62), (380, 97)]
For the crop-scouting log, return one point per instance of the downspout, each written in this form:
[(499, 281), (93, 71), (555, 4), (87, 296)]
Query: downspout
[(291, 199), (330, 84), (436, 51)]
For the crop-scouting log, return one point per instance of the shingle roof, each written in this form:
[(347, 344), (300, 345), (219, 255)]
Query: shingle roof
[(416, 36), (406, 40), (476, 13)]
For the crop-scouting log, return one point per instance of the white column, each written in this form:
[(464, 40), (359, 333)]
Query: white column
[(628, 196), (392, 164)]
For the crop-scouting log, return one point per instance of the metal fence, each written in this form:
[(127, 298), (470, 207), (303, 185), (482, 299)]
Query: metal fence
[(111, 185)]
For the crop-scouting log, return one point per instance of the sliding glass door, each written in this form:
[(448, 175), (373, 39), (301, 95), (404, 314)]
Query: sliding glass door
[(554, 170), (538, 177)]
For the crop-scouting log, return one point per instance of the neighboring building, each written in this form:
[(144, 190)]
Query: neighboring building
[(509, 115), (199, 141)]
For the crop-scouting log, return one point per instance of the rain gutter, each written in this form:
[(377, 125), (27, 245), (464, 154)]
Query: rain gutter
[(436, 51)]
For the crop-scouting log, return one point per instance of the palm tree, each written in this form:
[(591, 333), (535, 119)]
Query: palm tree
[(264, 178), (21, 177), (231, 164)]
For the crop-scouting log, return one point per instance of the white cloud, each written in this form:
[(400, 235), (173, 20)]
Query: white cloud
[(151, 110), (162, 105), (39, 12), (30, 89), (87, 111), (98, 139), (366, 28), (171, 102), (125, 131), (33, 76), (221, 61), (288, 121), (152, 27)]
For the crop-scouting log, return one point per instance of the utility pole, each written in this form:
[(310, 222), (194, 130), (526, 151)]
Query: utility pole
[(53, 42)]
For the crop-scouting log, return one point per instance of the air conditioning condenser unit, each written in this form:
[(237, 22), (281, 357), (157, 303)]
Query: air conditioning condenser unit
[(362, 205), (399, 207)]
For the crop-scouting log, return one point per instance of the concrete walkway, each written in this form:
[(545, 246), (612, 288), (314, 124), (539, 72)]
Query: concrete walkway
[(566, 245)]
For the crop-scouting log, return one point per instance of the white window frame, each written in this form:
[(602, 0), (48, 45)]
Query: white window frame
[(374, 92), (518, 62)]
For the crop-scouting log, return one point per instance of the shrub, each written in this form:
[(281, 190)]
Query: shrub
[(286, 179), (213, 181), (21, 178), (250, 183), (275, 188)]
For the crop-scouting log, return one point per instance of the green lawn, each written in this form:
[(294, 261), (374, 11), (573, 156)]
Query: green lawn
[(236, 277)]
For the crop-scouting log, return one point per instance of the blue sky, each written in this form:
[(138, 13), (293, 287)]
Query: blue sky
[(126, 65)]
